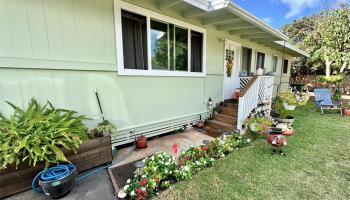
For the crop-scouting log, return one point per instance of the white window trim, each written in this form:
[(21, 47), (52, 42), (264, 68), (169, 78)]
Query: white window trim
[(118, 6)]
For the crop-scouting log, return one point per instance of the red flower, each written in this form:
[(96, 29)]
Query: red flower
[(139, 191), (143, 182), (139, 197), (205, 148), (187, 158), (145, 194)]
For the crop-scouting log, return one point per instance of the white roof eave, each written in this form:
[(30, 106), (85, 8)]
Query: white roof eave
[(293, 48), (235, 9)]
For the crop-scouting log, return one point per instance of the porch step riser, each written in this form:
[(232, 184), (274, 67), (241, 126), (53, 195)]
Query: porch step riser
[(229, 111), (225, 118), (220, 125), (213, 132)]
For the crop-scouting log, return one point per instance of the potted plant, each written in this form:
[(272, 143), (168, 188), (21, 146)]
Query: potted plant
[(260, 124), (281, 114), (289, 100), (41, 136), (106, 128)]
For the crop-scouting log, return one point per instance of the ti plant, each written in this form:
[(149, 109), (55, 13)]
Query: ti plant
[(38, 134)]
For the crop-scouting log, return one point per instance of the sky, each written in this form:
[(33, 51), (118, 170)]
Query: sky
[(279, 12)]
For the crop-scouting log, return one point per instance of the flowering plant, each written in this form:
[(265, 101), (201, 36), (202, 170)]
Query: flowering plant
[(192, 160), (230, 143), (157, 173), (216, 149), (242, 142)]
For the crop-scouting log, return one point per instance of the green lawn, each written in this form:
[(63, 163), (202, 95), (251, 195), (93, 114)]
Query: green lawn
[(317, 166)]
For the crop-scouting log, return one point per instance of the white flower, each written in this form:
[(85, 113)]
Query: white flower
[(154, 169), (212, 159), (128, 181), (248, 140), (132, 193), (152, 157), (166, 171), (144, 176), (186, 168), (126, 187), (143, 189)]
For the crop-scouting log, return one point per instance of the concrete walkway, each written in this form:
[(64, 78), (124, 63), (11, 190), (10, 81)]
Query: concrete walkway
[(99, 185)]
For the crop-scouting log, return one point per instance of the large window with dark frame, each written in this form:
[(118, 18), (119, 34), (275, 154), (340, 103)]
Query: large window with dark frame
[(172, 47), (260, 60), (246, 59)]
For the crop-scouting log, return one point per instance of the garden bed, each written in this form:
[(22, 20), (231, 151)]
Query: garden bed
[(90, 154)]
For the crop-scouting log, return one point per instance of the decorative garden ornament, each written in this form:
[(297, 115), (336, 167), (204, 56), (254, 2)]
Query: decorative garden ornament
[(277, 141), (210, 108), (229, 62)]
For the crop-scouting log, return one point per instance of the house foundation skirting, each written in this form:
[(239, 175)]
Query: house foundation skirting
[(128, 135)]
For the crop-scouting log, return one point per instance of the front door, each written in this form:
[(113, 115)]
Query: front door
[(231, 66)]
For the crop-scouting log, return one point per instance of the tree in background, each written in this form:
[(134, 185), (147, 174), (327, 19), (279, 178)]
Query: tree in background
[(326, 36)]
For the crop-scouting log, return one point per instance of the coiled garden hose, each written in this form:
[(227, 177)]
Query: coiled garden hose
[(53, 173)]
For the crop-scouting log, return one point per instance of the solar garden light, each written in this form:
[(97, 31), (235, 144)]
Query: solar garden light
[(225, 135), (139, 165), (206, 142)]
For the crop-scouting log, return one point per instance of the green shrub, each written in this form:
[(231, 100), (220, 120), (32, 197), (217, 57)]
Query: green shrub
[(38, 134)]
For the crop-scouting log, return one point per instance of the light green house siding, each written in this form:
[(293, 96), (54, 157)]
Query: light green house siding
[(64, 50)]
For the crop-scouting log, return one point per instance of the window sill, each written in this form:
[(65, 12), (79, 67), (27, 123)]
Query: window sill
[(159, 73)]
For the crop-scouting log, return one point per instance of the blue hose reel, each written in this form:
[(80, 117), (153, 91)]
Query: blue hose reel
[(56, 181)]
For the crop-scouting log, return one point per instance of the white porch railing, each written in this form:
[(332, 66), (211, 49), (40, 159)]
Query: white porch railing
[(257, 91)]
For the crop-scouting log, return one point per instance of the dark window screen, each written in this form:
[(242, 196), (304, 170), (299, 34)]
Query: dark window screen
[(246, 59), (260, 60)]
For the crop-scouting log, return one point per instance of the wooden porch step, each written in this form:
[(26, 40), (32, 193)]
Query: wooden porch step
[(226, 118), (229, 111), (213, 132), (220, 125), (231, 104)]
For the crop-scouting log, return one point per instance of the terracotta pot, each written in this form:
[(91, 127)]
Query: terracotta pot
[(200, 124), (346, 112), (141, 142)]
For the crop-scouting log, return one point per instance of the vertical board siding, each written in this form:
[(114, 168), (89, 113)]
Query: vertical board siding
[(58, 31), (126, 101)]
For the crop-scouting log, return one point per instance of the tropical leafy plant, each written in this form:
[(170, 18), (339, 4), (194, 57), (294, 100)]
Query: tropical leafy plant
[(38, 134), (289, 98)]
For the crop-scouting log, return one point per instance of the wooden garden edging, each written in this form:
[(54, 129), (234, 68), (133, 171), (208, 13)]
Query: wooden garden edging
[(90, 154)]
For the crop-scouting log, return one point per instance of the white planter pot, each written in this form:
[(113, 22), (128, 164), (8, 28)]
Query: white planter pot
[(252, 127), (288, 107)]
